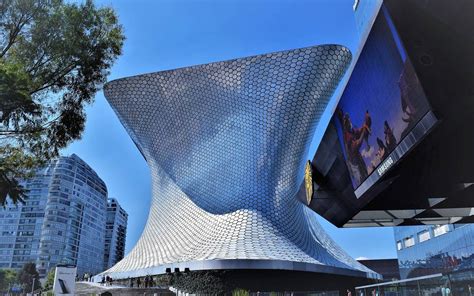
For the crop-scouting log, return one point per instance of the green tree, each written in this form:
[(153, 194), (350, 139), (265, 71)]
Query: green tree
[(213, 282), (54, 56), (7, 278), (241, 292), (26, 276), (48, 285)]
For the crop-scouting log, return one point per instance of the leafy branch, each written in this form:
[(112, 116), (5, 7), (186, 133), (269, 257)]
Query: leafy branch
[(54, 57)]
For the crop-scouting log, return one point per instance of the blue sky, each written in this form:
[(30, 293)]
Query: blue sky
[(167, 34)]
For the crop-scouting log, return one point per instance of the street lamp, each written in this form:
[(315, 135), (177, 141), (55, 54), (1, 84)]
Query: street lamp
[(33, 286)]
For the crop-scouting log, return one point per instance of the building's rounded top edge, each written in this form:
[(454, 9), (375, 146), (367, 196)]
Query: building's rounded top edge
[(340, 48)]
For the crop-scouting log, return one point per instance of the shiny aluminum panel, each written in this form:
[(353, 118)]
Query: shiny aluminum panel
[(226, 144)]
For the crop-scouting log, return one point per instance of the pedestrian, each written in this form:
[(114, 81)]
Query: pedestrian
[(147, 281), (103, 280), (130, 282), (138, 282)]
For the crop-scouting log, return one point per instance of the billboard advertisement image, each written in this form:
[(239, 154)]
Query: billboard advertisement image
[(381, 104)]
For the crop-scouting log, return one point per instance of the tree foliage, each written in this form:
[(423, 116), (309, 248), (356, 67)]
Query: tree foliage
[(26, 276), (213, 282), (241, 292), (7, 278), (48, 284), (54, 57)]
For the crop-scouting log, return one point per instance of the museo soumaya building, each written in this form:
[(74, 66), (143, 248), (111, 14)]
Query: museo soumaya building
[(227, 144)]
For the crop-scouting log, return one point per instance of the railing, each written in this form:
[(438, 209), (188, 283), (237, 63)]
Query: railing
[(451, 284)]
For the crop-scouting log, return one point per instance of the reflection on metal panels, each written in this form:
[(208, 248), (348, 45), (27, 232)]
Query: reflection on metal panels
[(226, 143)]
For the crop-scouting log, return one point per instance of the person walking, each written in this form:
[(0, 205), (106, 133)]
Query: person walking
[(138, 282)]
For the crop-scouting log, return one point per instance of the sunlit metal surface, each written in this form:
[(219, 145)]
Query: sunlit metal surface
[(226, 144)]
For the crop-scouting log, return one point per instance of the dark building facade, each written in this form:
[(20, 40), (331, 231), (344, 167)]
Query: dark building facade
[(388, 268), (399, 148)]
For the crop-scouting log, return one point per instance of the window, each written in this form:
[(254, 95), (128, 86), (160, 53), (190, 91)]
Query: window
[(424, 236), (409, 241), (440, 229), (399, 245)]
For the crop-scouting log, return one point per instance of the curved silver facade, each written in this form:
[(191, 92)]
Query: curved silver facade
[(227, 143)]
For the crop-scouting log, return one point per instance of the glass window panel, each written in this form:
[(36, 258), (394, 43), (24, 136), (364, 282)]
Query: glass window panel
[(424, 236), (409, 241), (440, 229), (399, 245)]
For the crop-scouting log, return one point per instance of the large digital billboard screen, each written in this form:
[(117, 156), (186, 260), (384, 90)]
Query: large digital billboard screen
[(382, 103)]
